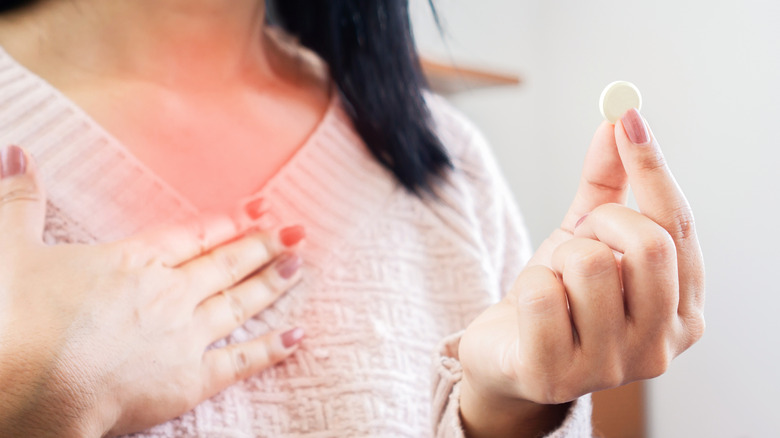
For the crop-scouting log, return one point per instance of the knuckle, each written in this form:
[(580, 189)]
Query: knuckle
[(540, 299), (123, 279), (656, 361), (613, 185), (558, 392), (236, 306), (229, 263), (20, 192), (536, 289), (658, 248), (132, 254), (614, 375), (682, 226), (651, 161), (592, 261), (242, 365)]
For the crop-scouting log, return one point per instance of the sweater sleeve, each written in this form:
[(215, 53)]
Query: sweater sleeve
[(507, 248), (447, 376)]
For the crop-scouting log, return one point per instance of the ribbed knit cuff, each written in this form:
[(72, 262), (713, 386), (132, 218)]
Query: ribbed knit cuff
[(447, 376)]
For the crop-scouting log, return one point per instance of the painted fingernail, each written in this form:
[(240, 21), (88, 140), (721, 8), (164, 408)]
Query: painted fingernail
[(255, 209), (12, 161), (581, 220), (292, 337), (292, 235), (288, 264), (635, 127)]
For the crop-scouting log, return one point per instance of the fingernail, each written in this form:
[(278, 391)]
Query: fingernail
[(256, 208), (292, 235), (12, 161), (288, 264), (292, 337), (582, 219), (635, 127)]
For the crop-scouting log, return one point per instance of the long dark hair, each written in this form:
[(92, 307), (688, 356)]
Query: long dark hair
[(369, 48)]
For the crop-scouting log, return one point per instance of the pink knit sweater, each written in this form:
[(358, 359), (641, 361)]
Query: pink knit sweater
[(389, 279)]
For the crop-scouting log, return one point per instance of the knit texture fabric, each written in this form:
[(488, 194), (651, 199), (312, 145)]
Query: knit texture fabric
[(389, 279)]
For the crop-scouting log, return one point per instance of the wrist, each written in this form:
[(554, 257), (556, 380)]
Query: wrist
[(36, 401), (34, 411), (486, 415)]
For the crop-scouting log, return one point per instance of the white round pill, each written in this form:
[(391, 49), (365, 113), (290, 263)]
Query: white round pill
[(617, 98)]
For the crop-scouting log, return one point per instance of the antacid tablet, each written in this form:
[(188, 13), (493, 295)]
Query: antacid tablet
[(618, 98)]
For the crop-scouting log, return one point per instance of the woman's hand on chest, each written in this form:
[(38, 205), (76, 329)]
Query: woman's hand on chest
[(112, 338)]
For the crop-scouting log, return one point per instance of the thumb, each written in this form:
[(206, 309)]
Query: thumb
[(603, 177), (22, 199)]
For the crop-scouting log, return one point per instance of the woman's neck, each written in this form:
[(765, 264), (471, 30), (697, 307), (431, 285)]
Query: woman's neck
[(198, 90), (188, 45)]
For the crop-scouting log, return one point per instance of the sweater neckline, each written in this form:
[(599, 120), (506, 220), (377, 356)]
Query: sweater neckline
[(125, 152), (331, 185)]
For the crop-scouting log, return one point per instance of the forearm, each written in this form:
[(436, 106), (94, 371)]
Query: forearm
[(485, 417)]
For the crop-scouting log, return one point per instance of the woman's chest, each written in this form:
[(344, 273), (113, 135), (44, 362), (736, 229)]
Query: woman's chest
[(214, 150)]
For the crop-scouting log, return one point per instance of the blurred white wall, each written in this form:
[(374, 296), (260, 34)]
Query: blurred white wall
[(709, 71)]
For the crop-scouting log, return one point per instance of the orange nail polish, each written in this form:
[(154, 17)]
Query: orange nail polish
[(292, 235), (256, 208)]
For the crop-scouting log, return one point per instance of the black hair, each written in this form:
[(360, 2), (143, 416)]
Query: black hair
[(369, 49), (6, 5)]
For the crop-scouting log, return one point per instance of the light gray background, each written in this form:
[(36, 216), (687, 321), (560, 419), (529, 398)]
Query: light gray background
[(709, 72)]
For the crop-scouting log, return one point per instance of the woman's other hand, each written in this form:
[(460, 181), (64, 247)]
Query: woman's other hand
[(611, 297), (111, 338)]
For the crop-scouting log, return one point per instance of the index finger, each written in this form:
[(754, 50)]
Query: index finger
[(603, 180), (180, 242), (173, 244), (661, 199)]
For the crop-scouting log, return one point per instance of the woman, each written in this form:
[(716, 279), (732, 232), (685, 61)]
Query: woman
[(147, 314)]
